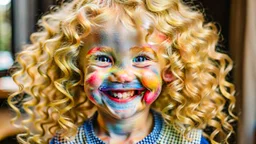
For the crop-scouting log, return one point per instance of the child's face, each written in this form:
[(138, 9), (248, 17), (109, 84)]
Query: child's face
[(122, 71)]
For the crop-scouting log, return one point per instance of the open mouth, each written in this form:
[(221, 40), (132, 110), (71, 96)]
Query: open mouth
[(123, 95)]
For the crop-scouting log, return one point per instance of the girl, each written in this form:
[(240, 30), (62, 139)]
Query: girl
[(124, 71)]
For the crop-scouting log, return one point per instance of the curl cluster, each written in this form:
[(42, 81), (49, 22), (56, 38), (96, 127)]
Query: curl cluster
[(50, 77)]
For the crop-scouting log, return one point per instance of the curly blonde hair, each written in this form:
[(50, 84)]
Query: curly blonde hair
[(49, 75)]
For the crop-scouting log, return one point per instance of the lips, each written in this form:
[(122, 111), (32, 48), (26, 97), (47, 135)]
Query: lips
[(122, 96)]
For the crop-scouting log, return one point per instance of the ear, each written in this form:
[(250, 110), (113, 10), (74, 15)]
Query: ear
[(167, 75)]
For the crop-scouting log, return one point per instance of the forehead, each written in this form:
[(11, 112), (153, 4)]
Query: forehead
[(116, 36)]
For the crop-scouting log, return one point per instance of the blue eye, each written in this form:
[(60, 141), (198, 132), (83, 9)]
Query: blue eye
[(140, 59), (103, 58)]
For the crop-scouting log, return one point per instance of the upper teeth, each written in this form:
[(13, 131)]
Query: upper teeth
[(122, 94)]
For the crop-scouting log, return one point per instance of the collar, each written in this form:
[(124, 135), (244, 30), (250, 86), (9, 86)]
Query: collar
[(153, 137)]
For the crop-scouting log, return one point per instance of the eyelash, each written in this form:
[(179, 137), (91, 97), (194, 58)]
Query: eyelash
[(141, 58), (107, 59), (103, 58)]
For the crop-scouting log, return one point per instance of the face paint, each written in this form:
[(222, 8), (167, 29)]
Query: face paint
[(90, 52), (124, 77), (93, 80), (154, 84), (110, 86), (123, 109), (122, 92)]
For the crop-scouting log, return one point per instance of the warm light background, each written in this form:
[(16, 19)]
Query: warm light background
[(236, 19)]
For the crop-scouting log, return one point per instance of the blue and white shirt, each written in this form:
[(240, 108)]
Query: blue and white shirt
[(162, 133)]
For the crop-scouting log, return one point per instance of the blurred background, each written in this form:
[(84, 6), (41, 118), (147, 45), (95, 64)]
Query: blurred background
[(235, 18)]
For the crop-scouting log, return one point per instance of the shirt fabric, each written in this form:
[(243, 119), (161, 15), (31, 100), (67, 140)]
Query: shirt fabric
[(162, 133)]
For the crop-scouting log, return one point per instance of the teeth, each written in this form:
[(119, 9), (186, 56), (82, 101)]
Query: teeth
[(125, 95), (115, 94), (122, 95)]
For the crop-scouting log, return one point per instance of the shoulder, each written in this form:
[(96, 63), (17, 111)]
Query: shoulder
[(78, 138), (171, 135), (204, 141)]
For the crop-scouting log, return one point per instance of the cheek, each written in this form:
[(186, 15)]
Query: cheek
[(94, 96), (93, 80), (151, 79), (91, 85)]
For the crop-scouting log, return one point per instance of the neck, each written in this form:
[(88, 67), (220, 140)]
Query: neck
[(130, 129)]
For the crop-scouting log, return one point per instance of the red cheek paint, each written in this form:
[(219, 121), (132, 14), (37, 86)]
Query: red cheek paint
[(93, 50), (151, 96), (152, 81), (93, 80)]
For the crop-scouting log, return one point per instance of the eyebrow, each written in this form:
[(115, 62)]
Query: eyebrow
[(134, 50), (99, 49), (142, 49)]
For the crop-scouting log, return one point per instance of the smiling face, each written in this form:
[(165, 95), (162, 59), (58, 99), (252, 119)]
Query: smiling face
[(122, 71)]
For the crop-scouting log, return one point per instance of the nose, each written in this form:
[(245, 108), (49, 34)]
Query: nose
[(121, 76)]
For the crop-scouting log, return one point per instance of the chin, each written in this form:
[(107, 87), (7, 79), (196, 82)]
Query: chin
[(123, 110), (125, 114)]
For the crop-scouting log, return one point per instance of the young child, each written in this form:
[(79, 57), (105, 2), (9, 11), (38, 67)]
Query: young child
[(124, 71)]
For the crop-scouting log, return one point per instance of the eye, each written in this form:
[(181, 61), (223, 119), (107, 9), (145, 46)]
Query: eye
[(140, 58), (103, 58)]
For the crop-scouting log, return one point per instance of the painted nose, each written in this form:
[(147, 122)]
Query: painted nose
[(121, 76)]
